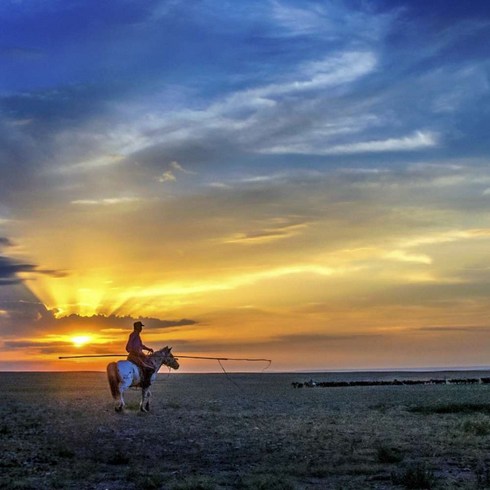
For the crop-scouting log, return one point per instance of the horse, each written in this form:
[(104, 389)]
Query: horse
[(125, 374)]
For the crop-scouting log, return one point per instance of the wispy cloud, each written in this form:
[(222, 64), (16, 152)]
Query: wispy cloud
[(404, 256), (169, 175), (107, 201), (417, 141), (278, 229)]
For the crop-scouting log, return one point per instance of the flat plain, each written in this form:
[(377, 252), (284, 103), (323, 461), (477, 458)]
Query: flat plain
[(245, 431)]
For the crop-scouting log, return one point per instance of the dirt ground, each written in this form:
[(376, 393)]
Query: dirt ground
[(59, 430)]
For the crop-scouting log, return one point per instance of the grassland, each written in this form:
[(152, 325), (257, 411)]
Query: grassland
[(59, 430)]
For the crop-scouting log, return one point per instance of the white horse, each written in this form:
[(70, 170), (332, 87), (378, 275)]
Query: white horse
[(124, 374)]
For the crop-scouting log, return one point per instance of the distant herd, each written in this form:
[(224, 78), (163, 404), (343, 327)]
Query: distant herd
[(395, 382)]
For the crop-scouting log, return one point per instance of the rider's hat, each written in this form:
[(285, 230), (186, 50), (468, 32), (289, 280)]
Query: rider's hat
[(137, 324)]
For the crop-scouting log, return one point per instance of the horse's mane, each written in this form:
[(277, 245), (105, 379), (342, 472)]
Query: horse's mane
[(163, 356), (156, 353)]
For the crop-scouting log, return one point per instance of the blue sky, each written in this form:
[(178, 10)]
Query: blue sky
[(257, 139)]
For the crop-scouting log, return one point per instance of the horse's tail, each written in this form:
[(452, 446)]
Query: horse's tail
[(114, 379)]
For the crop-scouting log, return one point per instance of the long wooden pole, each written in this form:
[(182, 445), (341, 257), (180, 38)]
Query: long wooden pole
[(248, 359), (92, 355)]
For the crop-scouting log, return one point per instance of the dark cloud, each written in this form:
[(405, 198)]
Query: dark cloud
[(478, 329), (9, 270), (322, 338), (59, 347), (44, 347), (121, 322), (25, 318)]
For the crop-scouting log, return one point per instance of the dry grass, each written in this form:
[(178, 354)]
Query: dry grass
[(60, 431)]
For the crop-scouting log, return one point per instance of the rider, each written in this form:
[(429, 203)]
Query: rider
[(136, 355)]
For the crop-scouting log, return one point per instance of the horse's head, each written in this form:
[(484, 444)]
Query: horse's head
[(167, 357)]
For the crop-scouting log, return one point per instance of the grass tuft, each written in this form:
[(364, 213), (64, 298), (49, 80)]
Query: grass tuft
[(265, 482), (149, 482), (194, 483), (452, 408), (414, 477), (118, 458), (389, 455), (482, 473), (477, 427), (64, 452)]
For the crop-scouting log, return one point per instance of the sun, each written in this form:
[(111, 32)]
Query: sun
[(81, 340)]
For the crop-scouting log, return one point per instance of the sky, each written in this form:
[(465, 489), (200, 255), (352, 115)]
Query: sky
[(306, 181)]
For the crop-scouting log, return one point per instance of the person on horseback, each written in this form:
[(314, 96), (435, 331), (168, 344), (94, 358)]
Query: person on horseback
[(135, 348)]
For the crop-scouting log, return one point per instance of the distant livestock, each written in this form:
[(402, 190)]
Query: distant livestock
[(395, 382)]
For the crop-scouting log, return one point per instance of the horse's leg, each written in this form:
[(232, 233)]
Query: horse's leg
[(117, 386), (120, 405), (145, 399)]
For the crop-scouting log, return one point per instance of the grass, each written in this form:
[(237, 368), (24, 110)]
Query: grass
[(204, 433)]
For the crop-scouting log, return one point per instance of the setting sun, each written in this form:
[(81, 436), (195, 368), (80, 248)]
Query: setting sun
[(81, 340)]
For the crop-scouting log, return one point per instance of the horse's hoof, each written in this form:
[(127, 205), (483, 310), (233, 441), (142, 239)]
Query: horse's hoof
[(118, 409)]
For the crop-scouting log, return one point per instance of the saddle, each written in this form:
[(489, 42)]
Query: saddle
[(146, 371)]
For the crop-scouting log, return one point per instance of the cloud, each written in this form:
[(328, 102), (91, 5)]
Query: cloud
[(324, 338), (177, 166), (332, 23), (417, 141), (448, 329), (280, 229), (5, 242), (108, 201), (11, 268), (122, 322), (167, 176), (42, 347), (408, 257), (21, 318)]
